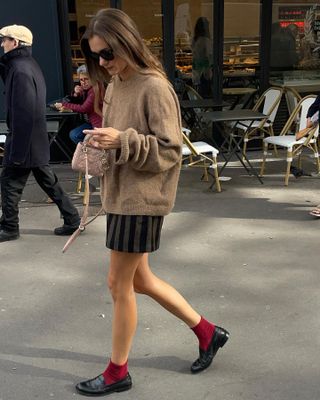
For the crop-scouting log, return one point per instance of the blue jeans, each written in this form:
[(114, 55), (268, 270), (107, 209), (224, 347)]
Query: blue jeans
[(76, 135)]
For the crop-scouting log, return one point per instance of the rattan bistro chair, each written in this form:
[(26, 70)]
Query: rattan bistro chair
[(194, 118), (200, 154), (292, 98), (287, 138), (268, 104)]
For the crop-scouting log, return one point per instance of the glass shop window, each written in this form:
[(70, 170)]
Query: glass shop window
[(296, 36), (148, 17)]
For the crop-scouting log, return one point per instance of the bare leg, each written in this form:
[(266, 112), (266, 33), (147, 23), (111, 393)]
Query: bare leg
[(145, 282), (120, 281)]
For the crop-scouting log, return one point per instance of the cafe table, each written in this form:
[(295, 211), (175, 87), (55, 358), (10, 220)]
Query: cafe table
[(191, 110), (245, 76), (200, 103), (238, 93), (55, 130), (234, 117), (300, 85)]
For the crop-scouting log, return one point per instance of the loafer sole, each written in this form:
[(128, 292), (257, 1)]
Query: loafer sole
[(123, 389), (84, 388)]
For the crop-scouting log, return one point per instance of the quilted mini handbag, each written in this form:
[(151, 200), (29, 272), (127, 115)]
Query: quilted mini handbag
[(96, 159)]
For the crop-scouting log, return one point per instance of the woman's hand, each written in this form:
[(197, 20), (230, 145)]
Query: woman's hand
[(104, 138), (78, 90), (58, 106)]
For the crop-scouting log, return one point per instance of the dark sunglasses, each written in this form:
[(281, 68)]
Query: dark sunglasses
[(106, 54)]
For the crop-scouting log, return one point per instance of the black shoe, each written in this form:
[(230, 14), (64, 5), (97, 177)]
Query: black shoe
[(296, 172), (98, 387), (66, 230), (7, 235), (219, 339)]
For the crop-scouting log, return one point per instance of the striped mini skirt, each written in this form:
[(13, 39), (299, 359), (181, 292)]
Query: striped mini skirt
[(133, 233)]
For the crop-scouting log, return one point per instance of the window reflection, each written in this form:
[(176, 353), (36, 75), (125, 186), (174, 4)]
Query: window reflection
[(241, 42), (148, 17), (194, 50), (296, 31), (193, 27), (284, 53), (80, 12), (202, 58)]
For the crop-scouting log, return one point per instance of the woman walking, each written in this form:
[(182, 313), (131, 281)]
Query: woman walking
[(141, 134)]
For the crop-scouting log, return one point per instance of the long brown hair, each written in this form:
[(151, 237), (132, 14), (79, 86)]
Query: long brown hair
[(99, 92), (119, 31)]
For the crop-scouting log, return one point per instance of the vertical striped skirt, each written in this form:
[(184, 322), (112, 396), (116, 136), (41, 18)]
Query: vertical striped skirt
[(133, 233)]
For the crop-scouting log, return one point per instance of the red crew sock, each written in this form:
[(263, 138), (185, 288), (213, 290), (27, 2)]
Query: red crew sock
[(204, 331), (115, 373)]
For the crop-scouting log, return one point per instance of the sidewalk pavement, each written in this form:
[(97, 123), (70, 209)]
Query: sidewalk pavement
[(246, 258)]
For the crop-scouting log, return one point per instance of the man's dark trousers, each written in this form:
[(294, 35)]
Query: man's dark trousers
[(13, 181)]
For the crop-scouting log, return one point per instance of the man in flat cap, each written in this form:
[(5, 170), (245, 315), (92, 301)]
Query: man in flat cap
[(27, 144)]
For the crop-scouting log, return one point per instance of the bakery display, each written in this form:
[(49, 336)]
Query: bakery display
[(155, 45), (240, 56)]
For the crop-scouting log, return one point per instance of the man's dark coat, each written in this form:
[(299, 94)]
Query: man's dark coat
[(27, 143)]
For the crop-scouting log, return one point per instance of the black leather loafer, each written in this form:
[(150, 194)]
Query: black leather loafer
[(7, 235), (98, 387), (66, 230), (219, 339)]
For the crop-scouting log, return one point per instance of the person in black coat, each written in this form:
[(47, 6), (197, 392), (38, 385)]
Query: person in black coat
[(27, 144), (283, 52), (312, 112), (313, 117)]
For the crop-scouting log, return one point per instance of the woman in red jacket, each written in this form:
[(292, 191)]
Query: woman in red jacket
[(91, 100)]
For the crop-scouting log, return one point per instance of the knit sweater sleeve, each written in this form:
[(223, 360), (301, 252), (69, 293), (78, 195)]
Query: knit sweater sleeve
[(86, 107), (159, 149)]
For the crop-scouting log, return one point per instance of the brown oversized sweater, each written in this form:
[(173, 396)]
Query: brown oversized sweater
[(143, 174)]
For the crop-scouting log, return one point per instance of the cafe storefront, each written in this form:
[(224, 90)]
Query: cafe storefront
[(246, 42), (243, 43)]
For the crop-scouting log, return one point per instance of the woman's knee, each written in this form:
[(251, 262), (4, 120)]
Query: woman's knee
[(138, 287), (121, 274), (112, 286), (143, 284), (74, 135), (119, 288)]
